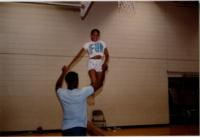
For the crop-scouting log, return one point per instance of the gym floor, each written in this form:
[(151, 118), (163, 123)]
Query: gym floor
[(163, 130), (168, 130)]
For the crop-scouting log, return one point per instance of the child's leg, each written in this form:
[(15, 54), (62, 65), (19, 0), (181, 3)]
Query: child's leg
[(100, 76), (96, 77), (93, 78)]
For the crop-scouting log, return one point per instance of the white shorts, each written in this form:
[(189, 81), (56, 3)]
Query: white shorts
[(95, 64)]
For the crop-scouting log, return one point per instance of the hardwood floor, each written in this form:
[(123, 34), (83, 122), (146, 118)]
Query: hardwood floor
[(188, 130), (154, 131)]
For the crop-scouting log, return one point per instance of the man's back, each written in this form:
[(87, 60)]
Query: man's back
[(74, 103)]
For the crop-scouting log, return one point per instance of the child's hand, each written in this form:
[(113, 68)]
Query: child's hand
[(65, 69), (104, 67)]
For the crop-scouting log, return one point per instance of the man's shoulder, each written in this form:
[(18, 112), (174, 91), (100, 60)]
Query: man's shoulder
[(89, 89), (61, 90)]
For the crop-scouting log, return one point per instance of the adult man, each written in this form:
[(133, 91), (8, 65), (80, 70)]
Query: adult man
[(74, 102)]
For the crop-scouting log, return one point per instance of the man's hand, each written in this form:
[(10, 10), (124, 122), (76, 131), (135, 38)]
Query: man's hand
[(65, 69), (104, 67)]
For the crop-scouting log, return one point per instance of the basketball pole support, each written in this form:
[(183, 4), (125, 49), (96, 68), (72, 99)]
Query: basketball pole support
[(85, 8)]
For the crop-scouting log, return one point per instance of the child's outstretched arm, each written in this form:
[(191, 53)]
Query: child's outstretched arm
[(76, 57)]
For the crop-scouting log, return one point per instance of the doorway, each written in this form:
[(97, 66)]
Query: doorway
[(184, 99)]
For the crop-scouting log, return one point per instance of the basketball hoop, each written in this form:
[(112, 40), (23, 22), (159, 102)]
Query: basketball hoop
[(84, 8), (126, 6)]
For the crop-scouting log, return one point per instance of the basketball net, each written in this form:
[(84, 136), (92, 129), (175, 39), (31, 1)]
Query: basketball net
[(126, 6)]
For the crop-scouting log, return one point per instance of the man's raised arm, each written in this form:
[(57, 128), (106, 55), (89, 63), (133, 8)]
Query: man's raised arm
[(61, 77)]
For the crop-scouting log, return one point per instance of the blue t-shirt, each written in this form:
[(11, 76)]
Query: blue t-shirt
[(74, 103), (95, 48)]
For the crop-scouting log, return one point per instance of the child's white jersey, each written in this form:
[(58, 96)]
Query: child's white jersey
[(95, 48)]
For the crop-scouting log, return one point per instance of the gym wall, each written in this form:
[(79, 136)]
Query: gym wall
[(37, 40)]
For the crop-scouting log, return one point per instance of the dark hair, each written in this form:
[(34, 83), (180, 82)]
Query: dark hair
[(71, 78), (95, 30)]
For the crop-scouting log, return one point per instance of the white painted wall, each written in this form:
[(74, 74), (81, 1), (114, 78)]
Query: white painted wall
[(36, 40)]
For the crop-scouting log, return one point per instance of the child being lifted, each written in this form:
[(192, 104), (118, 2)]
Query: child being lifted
[(98, 56)]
